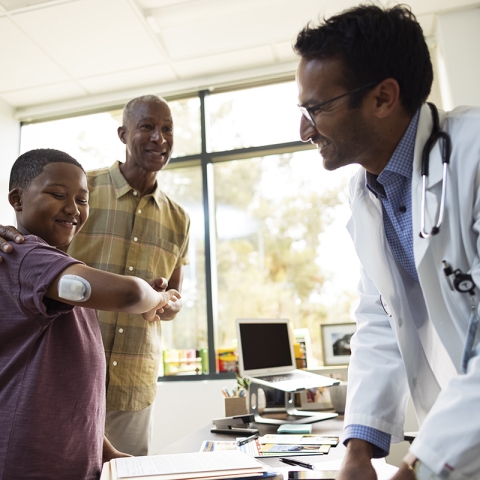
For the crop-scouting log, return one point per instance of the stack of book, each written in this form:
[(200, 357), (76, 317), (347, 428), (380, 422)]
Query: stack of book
[(275, 445), (181, 466), (182, 362)]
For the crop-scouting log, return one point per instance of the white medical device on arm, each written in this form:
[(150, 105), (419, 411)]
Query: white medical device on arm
[(74, 288)]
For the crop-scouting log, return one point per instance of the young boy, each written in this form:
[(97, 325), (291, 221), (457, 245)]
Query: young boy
[(52, 362)]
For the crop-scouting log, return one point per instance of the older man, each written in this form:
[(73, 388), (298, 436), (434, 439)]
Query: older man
[(364, 77), (134, 229)]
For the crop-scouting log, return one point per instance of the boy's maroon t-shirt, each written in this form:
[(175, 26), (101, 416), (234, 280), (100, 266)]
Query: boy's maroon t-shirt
[(52, 373)]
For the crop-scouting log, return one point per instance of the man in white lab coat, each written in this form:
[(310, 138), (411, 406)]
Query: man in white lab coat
[(363, 78)]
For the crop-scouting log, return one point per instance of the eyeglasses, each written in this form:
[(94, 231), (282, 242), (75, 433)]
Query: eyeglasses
[(311, 112)]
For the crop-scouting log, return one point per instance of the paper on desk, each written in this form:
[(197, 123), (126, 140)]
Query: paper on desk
[(217, 446), (299, 439), (382, 468), (251, 448), (270, 448), (264, 450), (186, 463)]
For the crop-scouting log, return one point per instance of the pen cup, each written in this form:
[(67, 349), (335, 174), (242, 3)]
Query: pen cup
[(235, 406), (338, 394)]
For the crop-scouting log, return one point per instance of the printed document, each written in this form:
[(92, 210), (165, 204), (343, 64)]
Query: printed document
[(186, 464)]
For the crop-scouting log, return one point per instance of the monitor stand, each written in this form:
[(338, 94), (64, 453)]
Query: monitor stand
[(291, 411)]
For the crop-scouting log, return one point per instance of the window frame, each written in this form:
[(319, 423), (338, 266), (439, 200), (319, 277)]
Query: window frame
[(206, 160)]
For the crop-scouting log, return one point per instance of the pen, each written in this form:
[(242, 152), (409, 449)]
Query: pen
[(297, 463), (246, 440)]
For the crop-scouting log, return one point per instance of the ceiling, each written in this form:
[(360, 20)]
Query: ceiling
[(83, 53)]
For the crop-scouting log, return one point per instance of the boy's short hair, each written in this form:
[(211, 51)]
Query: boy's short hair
[(30, 165)]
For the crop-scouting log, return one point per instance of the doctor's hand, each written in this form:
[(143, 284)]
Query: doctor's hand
[(357, 464), (9, 233), (404, 473)]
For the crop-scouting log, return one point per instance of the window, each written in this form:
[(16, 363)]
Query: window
[(268, 237), (276, 216), (253, 117)]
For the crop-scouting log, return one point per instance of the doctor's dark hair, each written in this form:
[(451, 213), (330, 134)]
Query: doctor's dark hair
[(30, 165), (374, 44)]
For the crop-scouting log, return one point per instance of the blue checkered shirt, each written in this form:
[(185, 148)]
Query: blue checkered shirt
[(393, 187)]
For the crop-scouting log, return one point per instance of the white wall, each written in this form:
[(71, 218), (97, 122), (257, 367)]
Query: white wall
[(183, 407), (458, 42), (9, 148)]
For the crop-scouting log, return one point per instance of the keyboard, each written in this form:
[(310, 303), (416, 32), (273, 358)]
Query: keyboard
[(282, 377)]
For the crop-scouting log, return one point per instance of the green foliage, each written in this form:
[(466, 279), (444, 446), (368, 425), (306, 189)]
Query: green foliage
[(272, 272)]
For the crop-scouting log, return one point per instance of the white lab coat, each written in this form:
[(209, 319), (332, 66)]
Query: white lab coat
[(412, 351)]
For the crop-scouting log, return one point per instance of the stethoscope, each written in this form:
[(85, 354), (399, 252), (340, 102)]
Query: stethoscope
[(462, 282), (446, 150)]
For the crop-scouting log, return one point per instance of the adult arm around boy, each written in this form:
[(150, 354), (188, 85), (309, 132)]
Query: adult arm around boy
[(9, 234)]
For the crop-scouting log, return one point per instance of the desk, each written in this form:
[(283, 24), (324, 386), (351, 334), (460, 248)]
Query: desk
[(333, 427), (192, 443)]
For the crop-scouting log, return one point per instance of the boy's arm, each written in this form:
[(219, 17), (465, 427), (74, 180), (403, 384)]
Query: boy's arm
[(115, 293)]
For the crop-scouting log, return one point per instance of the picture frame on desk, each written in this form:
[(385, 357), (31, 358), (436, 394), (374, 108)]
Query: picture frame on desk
[(315, 399), (336, 342), (320, 399)]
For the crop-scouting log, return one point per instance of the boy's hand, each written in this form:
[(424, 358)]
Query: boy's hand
[(9, 233), (166, 299)]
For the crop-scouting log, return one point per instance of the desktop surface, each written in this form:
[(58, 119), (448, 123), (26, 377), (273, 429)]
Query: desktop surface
[(334, 427), (193, 442)]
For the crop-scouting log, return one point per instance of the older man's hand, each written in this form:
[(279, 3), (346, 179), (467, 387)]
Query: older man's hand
[(9, 234)]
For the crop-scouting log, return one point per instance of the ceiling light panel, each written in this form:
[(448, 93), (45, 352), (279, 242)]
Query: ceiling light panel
[(11, 5)]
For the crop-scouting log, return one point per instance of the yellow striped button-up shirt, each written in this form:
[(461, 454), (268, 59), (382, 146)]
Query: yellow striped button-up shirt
[(130, 235)]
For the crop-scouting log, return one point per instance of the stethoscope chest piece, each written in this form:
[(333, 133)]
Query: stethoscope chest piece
[(462, 282)]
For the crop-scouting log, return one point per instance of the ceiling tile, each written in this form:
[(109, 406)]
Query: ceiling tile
[(129, 79), (420, 7), (92, 37), (199, 11), (225, 62), (284, 51), (45, 94), (63, 49), (427, 22), (160, 3), (222, 26), (16, 4), (25, 65)]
